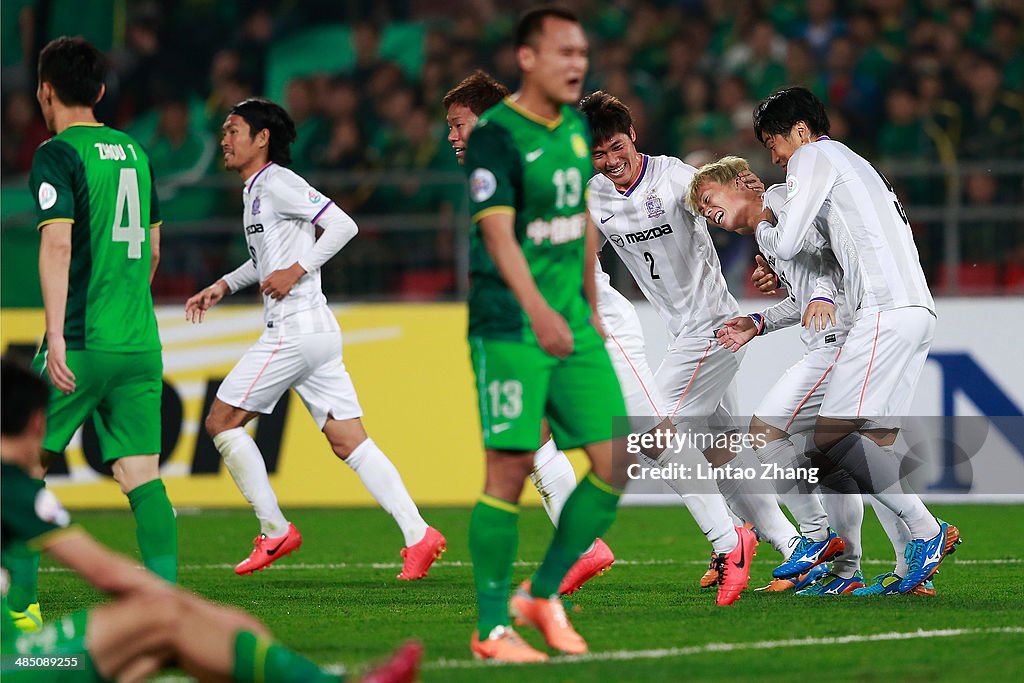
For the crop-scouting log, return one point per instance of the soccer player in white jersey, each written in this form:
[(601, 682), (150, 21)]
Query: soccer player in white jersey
[(834, 191), (813, 281), (553, 474), (638, 204), (301, 346)]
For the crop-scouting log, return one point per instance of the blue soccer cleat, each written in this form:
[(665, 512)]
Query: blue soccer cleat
[(883, 584), (795, 583), (924, 556), (832, 584), (808, 554)]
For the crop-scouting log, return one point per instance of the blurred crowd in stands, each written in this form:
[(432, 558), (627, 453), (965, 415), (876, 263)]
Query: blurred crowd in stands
[(931, 82)]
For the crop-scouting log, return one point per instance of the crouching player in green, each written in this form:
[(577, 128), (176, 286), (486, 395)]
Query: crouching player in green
[(534, 347), (151, 624)]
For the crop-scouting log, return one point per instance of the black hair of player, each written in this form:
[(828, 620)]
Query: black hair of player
[(478, 91), (780, 111), (260, 113), (607, 116), (75, 69), (22, 394), (531, 23)]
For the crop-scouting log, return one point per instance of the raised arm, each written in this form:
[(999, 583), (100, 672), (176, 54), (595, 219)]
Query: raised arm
[(808, 183)]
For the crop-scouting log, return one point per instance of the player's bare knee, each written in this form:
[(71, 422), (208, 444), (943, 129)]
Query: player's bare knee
[(763, 433), (830, 431), (133, 471), (506, 473), (345, 436)]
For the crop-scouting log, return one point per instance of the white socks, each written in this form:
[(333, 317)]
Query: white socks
[(846, 515), (244, 461), (554, 478), (755, 502), (701, 498), (804, 505), (854, 452), (384, 483), (897, 531)]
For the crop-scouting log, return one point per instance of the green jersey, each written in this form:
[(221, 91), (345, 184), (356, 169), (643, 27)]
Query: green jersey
[(100, 180), (29, 515), (522, 164)]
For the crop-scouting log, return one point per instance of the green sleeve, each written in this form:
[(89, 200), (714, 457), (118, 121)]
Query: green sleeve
[(30, 510), (154, 202), (493, 165), (51, 181)]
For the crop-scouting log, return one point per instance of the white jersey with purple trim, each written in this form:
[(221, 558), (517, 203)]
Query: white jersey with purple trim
[(666, 248), (814, 273), (280, 211), (832, 189)]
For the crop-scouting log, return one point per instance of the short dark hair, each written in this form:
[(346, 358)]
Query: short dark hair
[(607, 115), (260, 113), (22, 394), (75, 69), (478, 91), (531, 23), (779, 112)]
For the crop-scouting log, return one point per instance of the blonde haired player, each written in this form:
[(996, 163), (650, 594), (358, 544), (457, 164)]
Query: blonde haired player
[(301, 346)]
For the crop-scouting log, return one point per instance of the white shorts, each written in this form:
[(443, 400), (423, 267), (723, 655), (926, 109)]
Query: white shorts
[(792, 404), (697, 378), (309, 363), (625, 345), (877, 371)]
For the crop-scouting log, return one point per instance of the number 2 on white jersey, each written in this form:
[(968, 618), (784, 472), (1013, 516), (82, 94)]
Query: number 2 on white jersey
[(128, 195)]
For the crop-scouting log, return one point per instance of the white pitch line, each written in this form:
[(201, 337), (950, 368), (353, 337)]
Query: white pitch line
[(664, 653), (305, 566)]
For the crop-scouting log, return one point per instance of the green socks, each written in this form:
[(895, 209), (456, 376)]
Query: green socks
[(587, 514), (258, 660), (493, 540), (22, 564), (156, 529)]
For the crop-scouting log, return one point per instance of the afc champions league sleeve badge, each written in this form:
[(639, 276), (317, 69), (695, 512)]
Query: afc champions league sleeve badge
[(652, 203)]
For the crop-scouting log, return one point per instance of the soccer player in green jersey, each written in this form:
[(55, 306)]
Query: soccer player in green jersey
[(150, 624), (535, 349), (99, 245)]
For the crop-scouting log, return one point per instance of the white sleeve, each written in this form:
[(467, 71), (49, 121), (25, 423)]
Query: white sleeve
[(783, 314), (827, 284), (338, 229), (810, 179), (242, 276), (295, 198)]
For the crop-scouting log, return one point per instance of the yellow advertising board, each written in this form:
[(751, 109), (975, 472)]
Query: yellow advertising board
[(410, 365)]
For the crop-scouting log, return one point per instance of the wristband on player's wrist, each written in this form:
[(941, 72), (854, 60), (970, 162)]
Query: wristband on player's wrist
[(823, 298), (759, 322)]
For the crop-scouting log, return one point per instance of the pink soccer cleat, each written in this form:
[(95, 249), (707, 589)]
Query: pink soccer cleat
[(419, 556), (594, 562), (268, 550)]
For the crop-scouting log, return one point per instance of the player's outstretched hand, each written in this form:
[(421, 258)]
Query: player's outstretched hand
[(822, 313), (280, 282), (552, 332), (736, 332), (198, 304), (57, 364), (749, 180), (764, 277)]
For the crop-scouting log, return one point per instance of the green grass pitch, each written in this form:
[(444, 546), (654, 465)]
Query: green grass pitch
[(337, 601)]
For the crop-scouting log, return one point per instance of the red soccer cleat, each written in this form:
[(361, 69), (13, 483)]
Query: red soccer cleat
[(401, 668), (420, 556), (735, 567), (594, 562), (268, 550)]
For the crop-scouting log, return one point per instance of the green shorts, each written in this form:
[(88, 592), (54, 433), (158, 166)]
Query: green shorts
[(62, 640), (121, 391), (519, 384)]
